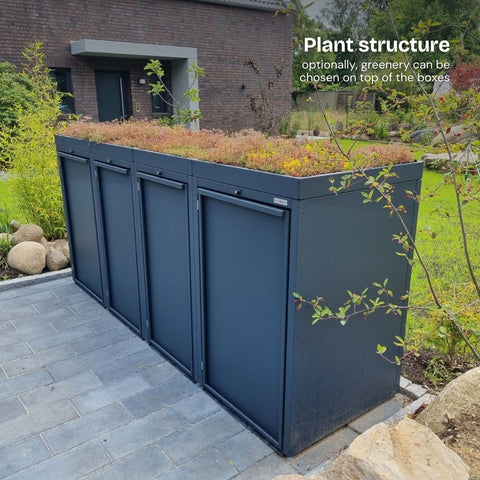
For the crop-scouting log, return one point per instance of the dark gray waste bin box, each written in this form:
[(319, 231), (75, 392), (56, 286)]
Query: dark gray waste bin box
[(216, 296)]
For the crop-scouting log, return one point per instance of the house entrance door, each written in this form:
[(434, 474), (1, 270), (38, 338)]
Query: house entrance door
[(112, 95)]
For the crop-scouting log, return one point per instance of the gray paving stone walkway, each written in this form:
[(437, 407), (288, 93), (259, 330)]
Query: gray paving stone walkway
[(81, 397)]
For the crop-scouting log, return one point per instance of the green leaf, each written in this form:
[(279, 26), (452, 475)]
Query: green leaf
[(381, 349)]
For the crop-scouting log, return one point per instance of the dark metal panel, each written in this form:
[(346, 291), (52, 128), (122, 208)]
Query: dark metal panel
[(73, 146), (244, 271), (116, 206), (343, 244), (247, 193), (290, 187), (108, 152), (319, 185), (81, 223), (271, 183), (165, 227), (163, 161)]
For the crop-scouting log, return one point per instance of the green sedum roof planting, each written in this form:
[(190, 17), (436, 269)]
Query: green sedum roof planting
[(247, 148)]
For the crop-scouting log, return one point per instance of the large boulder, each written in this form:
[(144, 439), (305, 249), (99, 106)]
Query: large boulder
[(405, 451), (422, 136), (456, 134), (295, 476), (14, 225), (27, 257), (64, 246), (55, 259), (27, 233), (459, 395)]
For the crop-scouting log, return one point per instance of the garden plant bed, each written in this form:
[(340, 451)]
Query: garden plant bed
[(432, 369)]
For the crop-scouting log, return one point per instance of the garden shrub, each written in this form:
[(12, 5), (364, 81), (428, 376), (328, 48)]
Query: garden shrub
[(15, 92), (466, 76), (29, 147)]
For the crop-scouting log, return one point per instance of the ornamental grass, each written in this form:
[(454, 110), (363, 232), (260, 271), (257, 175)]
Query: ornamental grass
[(247, 148)]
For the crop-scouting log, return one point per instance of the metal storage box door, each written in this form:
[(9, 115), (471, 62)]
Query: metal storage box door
[(77, 188), (214, 255), (165, 232), (118, 227), (244, 255)]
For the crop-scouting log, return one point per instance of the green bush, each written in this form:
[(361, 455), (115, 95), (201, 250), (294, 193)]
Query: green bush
[(15, 91), (288, 127), (28, 147)]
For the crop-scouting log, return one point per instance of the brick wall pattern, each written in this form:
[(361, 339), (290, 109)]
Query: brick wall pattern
[(225, 37)]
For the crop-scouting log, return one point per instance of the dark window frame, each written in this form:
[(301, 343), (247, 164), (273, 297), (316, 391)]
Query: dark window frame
[(63, 79)]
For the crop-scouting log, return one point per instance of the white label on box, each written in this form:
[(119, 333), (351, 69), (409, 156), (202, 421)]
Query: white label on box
[(280, 201)]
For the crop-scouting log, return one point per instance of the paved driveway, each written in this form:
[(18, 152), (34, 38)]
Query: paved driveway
[(82, 397)]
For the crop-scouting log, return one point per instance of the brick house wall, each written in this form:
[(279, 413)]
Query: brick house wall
[(225, 36)]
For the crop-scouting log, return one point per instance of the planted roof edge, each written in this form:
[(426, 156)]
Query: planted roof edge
[(254, 4)]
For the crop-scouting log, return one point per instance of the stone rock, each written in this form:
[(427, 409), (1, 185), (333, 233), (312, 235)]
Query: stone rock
[(456, 134), (405, 451), (422, 136), (461, 393), (55, 259), (43, 241), (64, 246), (289, 477), (5, 236), (441, 161), (438, 161), (298, 477), (14, 225), (27, 257), (27, 233)]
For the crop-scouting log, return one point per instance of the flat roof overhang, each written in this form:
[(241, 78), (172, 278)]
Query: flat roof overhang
[(106, 48)]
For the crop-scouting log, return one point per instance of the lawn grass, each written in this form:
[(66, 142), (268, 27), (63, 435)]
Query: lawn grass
[(439, 241), (349, 144), (310, 120), (8, 206)]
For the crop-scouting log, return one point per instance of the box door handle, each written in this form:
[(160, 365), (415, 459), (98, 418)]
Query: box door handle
[(112, 168)]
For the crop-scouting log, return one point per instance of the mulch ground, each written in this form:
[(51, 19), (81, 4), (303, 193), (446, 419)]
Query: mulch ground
[(432, 369), (7, 273)]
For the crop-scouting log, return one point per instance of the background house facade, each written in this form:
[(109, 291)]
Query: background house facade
[(98, 50)]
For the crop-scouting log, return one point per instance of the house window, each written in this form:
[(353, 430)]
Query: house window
[(162, 104), (63, 78)]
